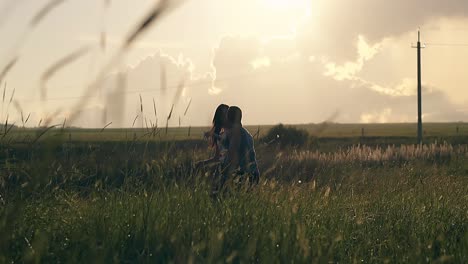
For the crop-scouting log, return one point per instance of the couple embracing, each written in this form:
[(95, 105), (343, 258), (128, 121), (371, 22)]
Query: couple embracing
[(234, 147)]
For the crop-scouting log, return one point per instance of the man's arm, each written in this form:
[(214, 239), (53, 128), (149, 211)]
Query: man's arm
[(232, 159), (253, 166)]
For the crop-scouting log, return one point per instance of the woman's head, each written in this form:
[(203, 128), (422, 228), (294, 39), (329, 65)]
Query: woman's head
[(234, 116), (219, 119)]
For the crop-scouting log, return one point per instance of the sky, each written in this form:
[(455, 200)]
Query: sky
[(280, 61)]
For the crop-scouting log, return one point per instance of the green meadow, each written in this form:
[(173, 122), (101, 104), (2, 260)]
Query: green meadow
[(348, 194)]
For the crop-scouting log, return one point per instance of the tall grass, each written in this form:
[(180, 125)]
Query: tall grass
[(135, 201), (140, 199)]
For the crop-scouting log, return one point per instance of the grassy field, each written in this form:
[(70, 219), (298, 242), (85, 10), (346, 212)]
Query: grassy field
[(123, 196), (326, 130)]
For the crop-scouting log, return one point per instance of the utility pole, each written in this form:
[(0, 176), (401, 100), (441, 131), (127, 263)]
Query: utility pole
[(420, 129)]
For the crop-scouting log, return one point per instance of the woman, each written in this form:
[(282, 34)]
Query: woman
[(217, 137)]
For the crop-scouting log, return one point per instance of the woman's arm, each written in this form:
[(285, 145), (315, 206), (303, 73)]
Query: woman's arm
[(209, 161)]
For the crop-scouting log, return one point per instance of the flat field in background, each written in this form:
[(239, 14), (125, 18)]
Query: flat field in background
[(352, 193), (328, 130)]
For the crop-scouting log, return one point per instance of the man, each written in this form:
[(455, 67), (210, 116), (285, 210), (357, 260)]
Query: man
[(241, 157)]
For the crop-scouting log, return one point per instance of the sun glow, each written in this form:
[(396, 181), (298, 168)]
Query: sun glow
[(285, 16), (287, 4), (291, 12)]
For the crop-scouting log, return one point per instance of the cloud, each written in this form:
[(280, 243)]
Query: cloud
[(342, 60), (297, 89), (260, 62), (157, 77), (349, 70), (227, 55), (338, 24), (274, 82), (288, 91), (381, 117)]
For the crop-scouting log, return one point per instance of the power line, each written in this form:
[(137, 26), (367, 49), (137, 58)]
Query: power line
[(448, 44), (202, 83), (445, 29)]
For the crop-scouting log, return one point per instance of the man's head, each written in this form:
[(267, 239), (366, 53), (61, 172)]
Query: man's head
[(234, 116)]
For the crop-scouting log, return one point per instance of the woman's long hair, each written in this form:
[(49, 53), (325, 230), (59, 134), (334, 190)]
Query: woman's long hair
[(218, 121)]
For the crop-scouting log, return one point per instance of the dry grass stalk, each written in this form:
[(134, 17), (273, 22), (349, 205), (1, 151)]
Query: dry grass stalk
[(169, 117), (27, 118), (4, 93), (19, 109), (7, 129), (49, 118), (63, 124), (37, 18), (177, 96), (156, 12), (22, 118), (136, 117), (6, 124), (9, 102), (44, 11), (106, 126), (11, 99), (141, 104), (170, 113), (178, 93), (141, 112), (12, 96), (188, 106), (60, 64), (3, 99), (147, 127), (8, 68), (155, 113), (42, 134), (390, 154)]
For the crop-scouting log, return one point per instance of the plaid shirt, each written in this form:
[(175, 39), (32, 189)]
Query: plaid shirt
[(247, 157)]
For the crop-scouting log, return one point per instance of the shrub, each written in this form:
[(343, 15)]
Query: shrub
[(286, 136)]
